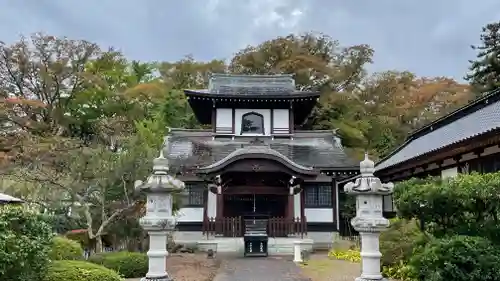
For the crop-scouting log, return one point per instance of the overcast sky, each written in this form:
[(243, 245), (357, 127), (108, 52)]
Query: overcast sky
[(430, 38)]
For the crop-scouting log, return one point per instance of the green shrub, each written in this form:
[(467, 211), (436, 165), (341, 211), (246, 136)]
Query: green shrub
[(400, 271), (79, 271), (65, 249), (128, 264), (25, 240), (459, 258), (397, 242), (463, 205)]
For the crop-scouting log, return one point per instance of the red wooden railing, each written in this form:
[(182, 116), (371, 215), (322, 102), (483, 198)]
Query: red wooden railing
[(282, 227), (234, 227), (227, 227)]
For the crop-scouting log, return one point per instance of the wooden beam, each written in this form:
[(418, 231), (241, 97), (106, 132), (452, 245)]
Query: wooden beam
[(256, 189)]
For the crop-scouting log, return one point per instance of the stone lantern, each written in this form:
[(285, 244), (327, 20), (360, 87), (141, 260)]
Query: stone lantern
[(369, 220), (159, 219)]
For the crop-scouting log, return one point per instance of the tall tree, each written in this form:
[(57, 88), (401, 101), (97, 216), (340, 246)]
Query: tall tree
[(188, 73), (397, 103), (75, 127), (484, 73), (317, 61), (39, 77)]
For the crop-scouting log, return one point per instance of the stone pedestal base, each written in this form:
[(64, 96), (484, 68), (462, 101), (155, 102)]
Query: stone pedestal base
[(364, 279), (164, 278)]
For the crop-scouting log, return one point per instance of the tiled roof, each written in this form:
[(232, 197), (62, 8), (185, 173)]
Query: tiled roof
[(220, 81), (251, 85), (477, 118), (317, 149)]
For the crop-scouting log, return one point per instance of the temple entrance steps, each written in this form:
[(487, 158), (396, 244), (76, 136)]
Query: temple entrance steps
[(276, 246), (322, 240)]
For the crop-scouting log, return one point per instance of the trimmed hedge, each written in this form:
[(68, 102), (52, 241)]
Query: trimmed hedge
[(65, 249), (79, 271), (128, 264)]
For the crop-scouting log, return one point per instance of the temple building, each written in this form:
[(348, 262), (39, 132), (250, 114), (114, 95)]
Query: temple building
[(466, 140), (254, 166)]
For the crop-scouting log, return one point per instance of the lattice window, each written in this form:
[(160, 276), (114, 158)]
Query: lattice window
[(195, 195), (317, 196)]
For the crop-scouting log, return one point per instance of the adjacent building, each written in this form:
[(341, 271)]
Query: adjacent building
[(465, 140), (254, 165)]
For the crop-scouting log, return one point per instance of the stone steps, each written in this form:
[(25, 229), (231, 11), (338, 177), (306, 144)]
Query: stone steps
[(276, 246)]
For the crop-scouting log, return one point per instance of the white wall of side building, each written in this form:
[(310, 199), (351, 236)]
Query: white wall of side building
[(190, 214), (319, 214), (449, 173)]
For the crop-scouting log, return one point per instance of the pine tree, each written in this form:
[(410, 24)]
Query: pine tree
[(485, 70)]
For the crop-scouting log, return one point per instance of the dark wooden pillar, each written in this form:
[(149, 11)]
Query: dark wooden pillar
[(214, 117), (334, 201), (220, 205), (205, 204), (302, 203)]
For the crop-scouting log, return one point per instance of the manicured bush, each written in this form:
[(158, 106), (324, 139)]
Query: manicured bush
[(128, 264), (462, 205), (79, 271), (397, 242), (25, 240), (459, 258), (65, 249)]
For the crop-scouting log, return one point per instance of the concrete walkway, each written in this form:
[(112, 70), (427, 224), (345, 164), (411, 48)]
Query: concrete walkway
[(259, 269)]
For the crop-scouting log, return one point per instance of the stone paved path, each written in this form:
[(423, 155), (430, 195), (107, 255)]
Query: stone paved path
[(259, 269)]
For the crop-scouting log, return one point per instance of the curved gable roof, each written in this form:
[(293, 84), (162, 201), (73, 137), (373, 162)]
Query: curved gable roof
[(257, 152)]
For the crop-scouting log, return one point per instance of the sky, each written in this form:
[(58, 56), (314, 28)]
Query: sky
[(427, 37)]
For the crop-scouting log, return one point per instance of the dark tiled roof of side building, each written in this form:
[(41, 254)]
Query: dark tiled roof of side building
[(476, 118), (192, 149)]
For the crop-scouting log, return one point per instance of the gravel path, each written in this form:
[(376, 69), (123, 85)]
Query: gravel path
[(259, 269)]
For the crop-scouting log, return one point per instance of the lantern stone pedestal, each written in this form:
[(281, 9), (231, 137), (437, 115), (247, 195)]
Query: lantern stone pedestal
[(159, 220), (369, 220)]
